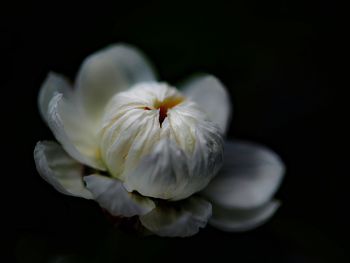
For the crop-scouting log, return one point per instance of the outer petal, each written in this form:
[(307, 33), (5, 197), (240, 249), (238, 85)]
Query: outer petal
[(250, 176), (178, 219), (73, 131), (60, 170), (107, 72), (53, 84), (111, 195), (236, 220), (211, 95)]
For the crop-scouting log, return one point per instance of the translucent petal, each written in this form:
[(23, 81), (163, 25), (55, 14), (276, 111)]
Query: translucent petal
[(212, 97), (181, 219), (53, 84), (108, 71), (73, 131), (250, 176), (237, 220), (112, 196), (59, 169)]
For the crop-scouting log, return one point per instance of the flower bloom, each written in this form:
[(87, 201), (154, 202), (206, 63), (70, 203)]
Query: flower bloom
[(153, 151)]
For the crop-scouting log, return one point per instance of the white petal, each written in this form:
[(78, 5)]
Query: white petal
[(107, 72), (123, 143), (54, 83), (250, 176), (180, 219), (170, 173), (236, 220), (60, 170), (161, 174), (73, 131), (111, 195), (211, 95)]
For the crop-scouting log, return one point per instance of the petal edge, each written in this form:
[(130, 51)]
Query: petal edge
[(250, 176), (68, 127), (112, 196), (211, 95), (60, 170), (239, 220), (108, 71), (54, 83), (183, 221)]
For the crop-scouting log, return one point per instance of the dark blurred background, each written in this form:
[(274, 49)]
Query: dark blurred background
[(281, 63)]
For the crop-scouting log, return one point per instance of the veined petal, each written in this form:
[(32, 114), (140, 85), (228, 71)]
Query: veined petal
[(250, 176), (107, 72), (237, 220), (60, 170), (163, 174), (53, 84), (211, 95), (170, 173), (72, 130), (181, 219), (127, 139), (111, 195)]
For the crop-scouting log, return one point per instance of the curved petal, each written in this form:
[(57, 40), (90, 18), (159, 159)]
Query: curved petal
[(72, 130), (179, 219), (111, 195), (60, 170), (250, 176), (53, 84), (237, 220), (107, 72), (170, 173), (161, 174), (211, 95)]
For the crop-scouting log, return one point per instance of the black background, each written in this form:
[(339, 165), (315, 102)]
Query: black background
[(281, 63)]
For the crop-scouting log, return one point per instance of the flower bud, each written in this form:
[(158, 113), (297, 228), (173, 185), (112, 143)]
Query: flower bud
[(159, 143)]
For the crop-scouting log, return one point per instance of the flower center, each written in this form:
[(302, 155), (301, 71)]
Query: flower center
[(165, 105)]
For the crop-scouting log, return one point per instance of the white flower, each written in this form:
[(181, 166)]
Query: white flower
[(153, 151)]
